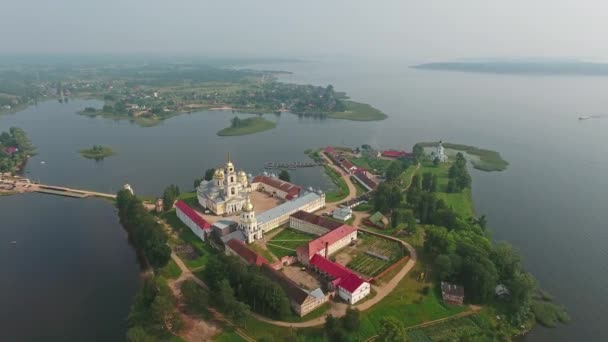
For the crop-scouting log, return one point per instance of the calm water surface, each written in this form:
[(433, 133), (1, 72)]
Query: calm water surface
[(550, 203)]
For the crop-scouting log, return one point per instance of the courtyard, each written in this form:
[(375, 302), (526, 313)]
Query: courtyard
[(371, 255), (286, 241)]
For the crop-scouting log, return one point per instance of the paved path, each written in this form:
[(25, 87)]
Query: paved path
[(352, 190)]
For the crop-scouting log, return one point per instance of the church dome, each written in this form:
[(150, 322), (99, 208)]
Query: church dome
[(248, 206), (218, 174), (242, 174)]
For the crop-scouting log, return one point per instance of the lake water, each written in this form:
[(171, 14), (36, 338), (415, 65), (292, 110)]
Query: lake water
[(550, 203)]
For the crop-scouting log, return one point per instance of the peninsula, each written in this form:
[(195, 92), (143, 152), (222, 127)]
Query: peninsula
[(15, 149), (400, 244), (524, 67), (146, 95)]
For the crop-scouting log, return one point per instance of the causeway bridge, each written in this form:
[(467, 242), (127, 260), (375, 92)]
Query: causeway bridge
[(68, 192)]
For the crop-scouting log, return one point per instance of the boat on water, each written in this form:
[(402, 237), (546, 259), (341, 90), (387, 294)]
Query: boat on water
[(584, 117), (13, 242)]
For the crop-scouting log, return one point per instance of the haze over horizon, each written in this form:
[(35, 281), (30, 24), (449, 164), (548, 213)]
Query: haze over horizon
[(413, 30)]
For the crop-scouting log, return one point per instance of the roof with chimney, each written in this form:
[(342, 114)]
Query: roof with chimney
[(331, 237), (316, 220)]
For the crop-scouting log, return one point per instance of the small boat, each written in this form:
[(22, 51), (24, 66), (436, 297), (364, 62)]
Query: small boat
[(13, 242), (584, 117), (43, 162)]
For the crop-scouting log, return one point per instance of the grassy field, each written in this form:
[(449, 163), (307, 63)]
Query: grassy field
[(370, 265), (461, 202), (286, 242), (359, 112), (341, 192), (248, 126), (263, 252), (379, 165), (486, 160), (408, 303), (187, 237), (171, 270)]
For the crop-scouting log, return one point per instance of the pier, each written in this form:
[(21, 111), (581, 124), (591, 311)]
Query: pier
[(23, 185)]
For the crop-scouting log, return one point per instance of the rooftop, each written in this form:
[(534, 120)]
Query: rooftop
[(448, 289), (289, 188), (287, 207), (248, 254), (342, 276), (318, 244), (196, 218), (316, 220)]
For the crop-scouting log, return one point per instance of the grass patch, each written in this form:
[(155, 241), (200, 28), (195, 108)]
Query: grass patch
[(186, 237), (487, 160), (372, 265), (171, 270), (408, 303), (549, 314), (228, 336), (263, 252), (461, 202), (375, 164), (357, 111), (285, 242), (342, 189), (248, 126)]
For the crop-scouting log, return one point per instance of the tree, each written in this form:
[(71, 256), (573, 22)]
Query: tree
[(393, 171), (427, 179), (285, 176), (194, 297), (418, 152), (197, 182), (209, 174), (164, 313), (138, 334), (391, 330), (351, 320), (169, 196), (235, 122)]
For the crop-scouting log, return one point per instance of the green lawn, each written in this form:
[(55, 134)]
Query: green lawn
[(171, 270), (190, 198), (342, 189), (407, 303), (461, 202), (357, 111), (484, 160), (371, 163), (285, 242), (370, 265), (263, 252), (248, 126), (186, 236)]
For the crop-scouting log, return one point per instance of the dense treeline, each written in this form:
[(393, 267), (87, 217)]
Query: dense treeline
[(231, 279), (170, 194), (148, 236), (459, 175), (154, 314), (458, 247), (15, 147)]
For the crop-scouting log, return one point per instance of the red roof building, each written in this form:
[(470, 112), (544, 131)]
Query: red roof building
[(315, 220), (240, 249), (328, 243), (350, 286), (276, 186), (396, 154), (11, 149), (196, 218), (197, 224), (329, 150)]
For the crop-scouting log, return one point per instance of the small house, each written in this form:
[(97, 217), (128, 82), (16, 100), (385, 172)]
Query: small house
[(452, 294), (377, 220)]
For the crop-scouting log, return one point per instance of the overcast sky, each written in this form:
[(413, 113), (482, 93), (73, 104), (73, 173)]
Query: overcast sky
[(421, 29)]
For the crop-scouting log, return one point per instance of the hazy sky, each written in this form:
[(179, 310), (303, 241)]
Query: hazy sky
[(421, 29)]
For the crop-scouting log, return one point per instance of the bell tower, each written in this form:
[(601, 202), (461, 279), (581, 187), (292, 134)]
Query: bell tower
[(248, 222), (231, 179)]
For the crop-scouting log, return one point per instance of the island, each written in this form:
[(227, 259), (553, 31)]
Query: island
[(240, 126), (97, 152), (147, 95), (522, 66), (397, 251)]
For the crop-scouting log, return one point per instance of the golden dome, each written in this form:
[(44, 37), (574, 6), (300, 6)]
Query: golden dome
[(242, 174), (248, 206), (218, 174)]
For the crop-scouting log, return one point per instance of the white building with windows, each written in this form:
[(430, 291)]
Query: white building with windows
[(440, 154), (226, 193)]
